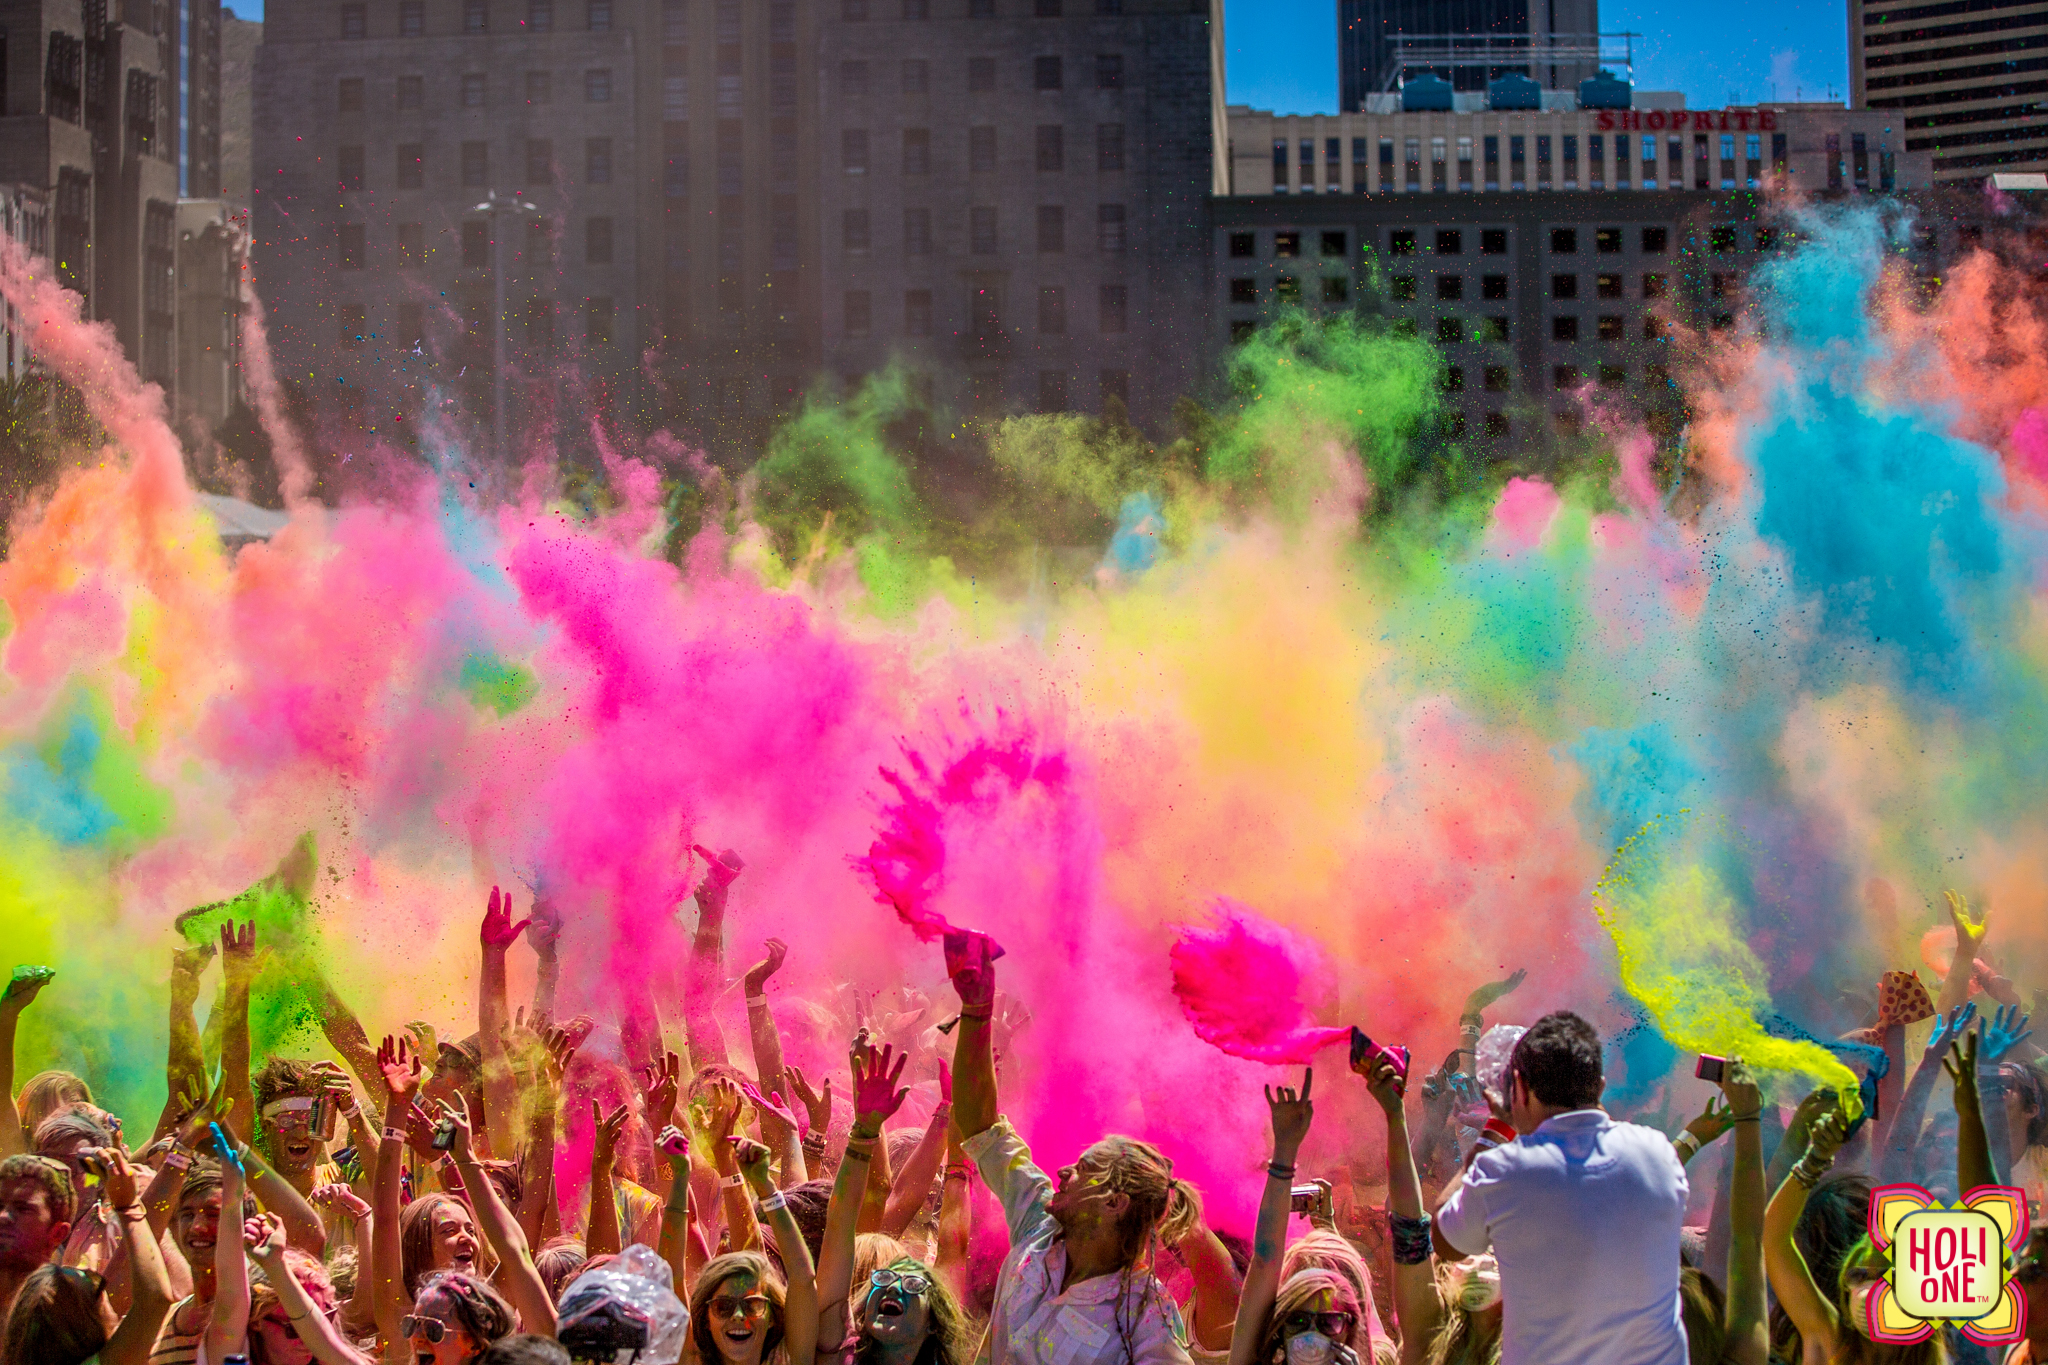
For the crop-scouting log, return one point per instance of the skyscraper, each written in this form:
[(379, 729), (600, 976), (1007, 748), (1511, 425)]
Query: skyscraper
[(1957, 75), (1367, 62)]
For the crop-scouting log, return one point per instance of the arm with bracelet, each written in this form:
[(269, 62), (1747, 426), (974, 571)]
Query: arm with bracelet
[(761, 1030), (1811, 1311), (302, 1225), (227, 1318), (309, 1322), (149, 1281), (521, 1283), (1418, 1308), (956, 1219), (1746, 1315), (876, 1097), (737, 1205), (909, 1187), (800, 1307), (400, 1071), (672, 1148), (704, 972), (493, 1021), (602, 1236), (1291, 1116), (1974, 1156)]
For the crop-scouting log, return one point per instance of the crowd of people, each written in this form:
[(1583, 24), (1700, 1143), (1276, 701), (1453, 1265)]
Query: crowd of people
[(402, 1201)]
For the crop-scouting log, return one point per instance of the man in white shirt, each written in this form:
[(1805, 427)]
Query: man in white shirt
[(1583, 1214)]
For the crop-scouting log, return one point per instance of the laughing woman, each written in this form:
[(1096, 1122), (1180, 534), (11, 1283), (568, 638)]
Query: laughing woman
[(901, 1314), (741, 1312)]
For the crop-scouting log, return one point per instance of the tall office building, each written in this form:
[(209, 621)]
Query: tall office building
[(1013, 197), (1958, 78), (1369, 61), (199, 98)]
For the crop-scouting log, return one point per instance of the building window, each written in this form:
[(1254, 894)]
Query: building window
[(1401, 242), (1495, 380), (1242, 330), (917, 312), (853, 151), (349, 162), (597, 241), (981, 150), (474, 90), (1109, 228), (1653, 286), (1564, 376), (1244, 244), (917, 76), (597, 322), (1052, 390), (476, 244), (1450, 287), (1109, 72), (540, 161), (1656, 240), (597, 161), (412, 93), (853, 80), (1493, 286), (675, 97), (1244, 291), (355, 22), (1454, 379), (1450, 330), (982, 231), (597, 86), (1449, 242), (917, 232), (917, 151), (1115, 385), (1401, 288), (1564, 286), (476, 164), (1052, 147), (1609, 328), (1564, 241), (981, 75), (540, 15), (1607, 286), (1564, 329), (1438, 174), (1113, 308), (476, 16), (1046, 74), (1052, 228), (350, 245), (1721, 238), (853, 230), (1052, 309), (412, 244), (597, 16), (349, 99), (1336, 289), (857, 310), (1496, 329), (1607, 239), (1465, 163), (1335, 241)]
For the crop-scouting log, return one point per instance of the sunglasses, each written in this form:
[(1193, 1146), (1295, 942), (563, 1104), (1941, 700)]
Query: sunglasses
[(732, 1306), (433, 1329), (1335, 1325), (908, 1282)]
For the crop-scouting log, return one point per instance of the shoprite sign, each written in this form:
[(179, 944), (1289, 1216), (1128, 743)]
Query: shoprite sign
[(1696, 120)]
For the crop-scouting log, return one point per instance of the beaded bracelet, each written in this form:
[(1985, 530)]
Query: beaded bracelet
[(1411, 1238), (1280, 1171)]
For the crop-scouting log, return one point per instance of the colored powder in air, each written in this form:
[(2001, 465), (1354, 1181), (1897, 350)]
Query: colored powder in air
[(1242, 979)]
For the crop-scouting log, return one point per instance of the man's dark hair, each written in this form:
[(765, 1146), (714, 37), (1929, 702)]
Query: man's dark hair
[(524, 1348), (1559, 1060)]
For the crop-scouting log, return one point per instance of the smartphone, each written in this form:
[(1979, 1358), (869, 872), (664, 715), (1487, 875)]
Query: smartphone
[(1364, 1051), (444, 1136), (1711, 1068), (1312, 1200), (320, 1119)]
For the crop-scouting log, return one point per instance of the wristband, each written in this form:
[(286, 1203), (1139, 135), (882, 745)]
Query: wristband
[(983, 1015), (1411, 1238), (178, 1159), (679, 1210), (1686, 1144), (732, 1182), (856, 1151), (774, 1203), (393, 1134), (956, 1172), (754, 1000), (1501, 1131), (133, 1212)]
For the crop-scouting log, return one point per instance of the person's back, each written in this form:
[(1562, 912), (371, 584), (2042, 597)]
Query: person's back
[(1583, 1214)]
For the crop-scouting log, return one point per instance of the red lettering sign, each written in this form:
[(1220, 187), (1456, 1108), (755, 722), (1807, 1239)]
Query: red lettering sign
[(1768, 120), (1606, 119), (1656, 118), (1742, 119)]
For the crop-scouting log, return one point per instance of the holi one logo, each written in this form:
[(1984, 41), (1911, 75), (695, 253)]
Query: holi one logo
[(1948, 1264)]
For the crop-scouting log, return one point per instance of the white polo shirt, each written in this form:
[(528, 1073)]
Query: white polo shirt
[(1583, 1215)]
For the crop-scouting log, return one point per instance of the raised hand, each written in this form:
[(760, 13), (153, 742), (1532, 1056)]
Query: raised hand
[(545, 919), (264, 1238), (400, 1069), (1291, 1115), (206, 1109), (2006, 1030), (1969, 932), (658, 1084), (1738, 1083), (720, 869), (1828, 1133), (238, 951), (456, 1117), (1487, 994), (1385, 1083), (558, 1046), (1949, 1028), (753, 1163), (499, 932), (1999, 988), (875, 1096), (424, 1041), (118, 1186), (23, 987), (1717, 1118), (341, 1197), (608, 1127), (758, 974), (674, 1144), (725, 1103), (970, 962), (1962, 1070), (816, 1103), (191, 962)]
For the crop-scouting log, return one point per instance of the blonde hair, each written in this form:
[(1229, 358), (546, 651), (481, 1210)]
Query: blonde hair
[(1296, 1292), (1324, 1249), (47, 1092), (1159, 1208)]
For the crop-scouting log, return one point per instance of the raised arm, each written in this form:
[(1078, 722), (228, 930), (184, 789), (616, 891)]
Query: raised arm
[(227, 1324), (1973, 1148), (1903, 1135), (22, 990), (308, 1321), (238, 972), (1969, 931), (1291, 1117), (493, 1017), (660, 1082), (400, 1073), (2005, 1032), (911, 1186), (876, 1096), (800, 1311), (149, 1282), (704, 975), (345, 1033), (956, 1220), (1790, 1278), (360, 1311), (537, 1166), (602, 1237), (1417, 1307), (970, 962), (543, 937), (516, 1276), (673, 1146), (1711, 1122), (1749, 1338), (185, 1062), (767, 1039)]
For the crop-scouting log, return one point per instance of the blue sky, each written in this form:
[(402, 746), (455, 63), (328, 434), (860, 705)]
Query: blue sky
[(1283, 53)]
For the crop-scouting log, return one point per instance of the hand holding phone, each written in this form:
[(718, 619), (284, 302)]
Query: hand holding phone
[(1711, 1068)]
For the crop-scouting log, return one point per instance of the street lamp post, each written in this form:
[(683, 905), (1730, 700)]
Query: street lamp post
[(494, 208)]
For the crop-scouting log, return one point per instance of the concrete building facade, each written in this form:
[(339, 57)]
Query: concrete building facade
[(1820, 147), (1967, 80), (1013, 197)]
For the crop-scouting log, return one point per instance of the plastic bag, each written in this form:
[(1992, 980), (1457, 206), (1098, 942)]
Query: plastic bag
[(625, 1311)]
